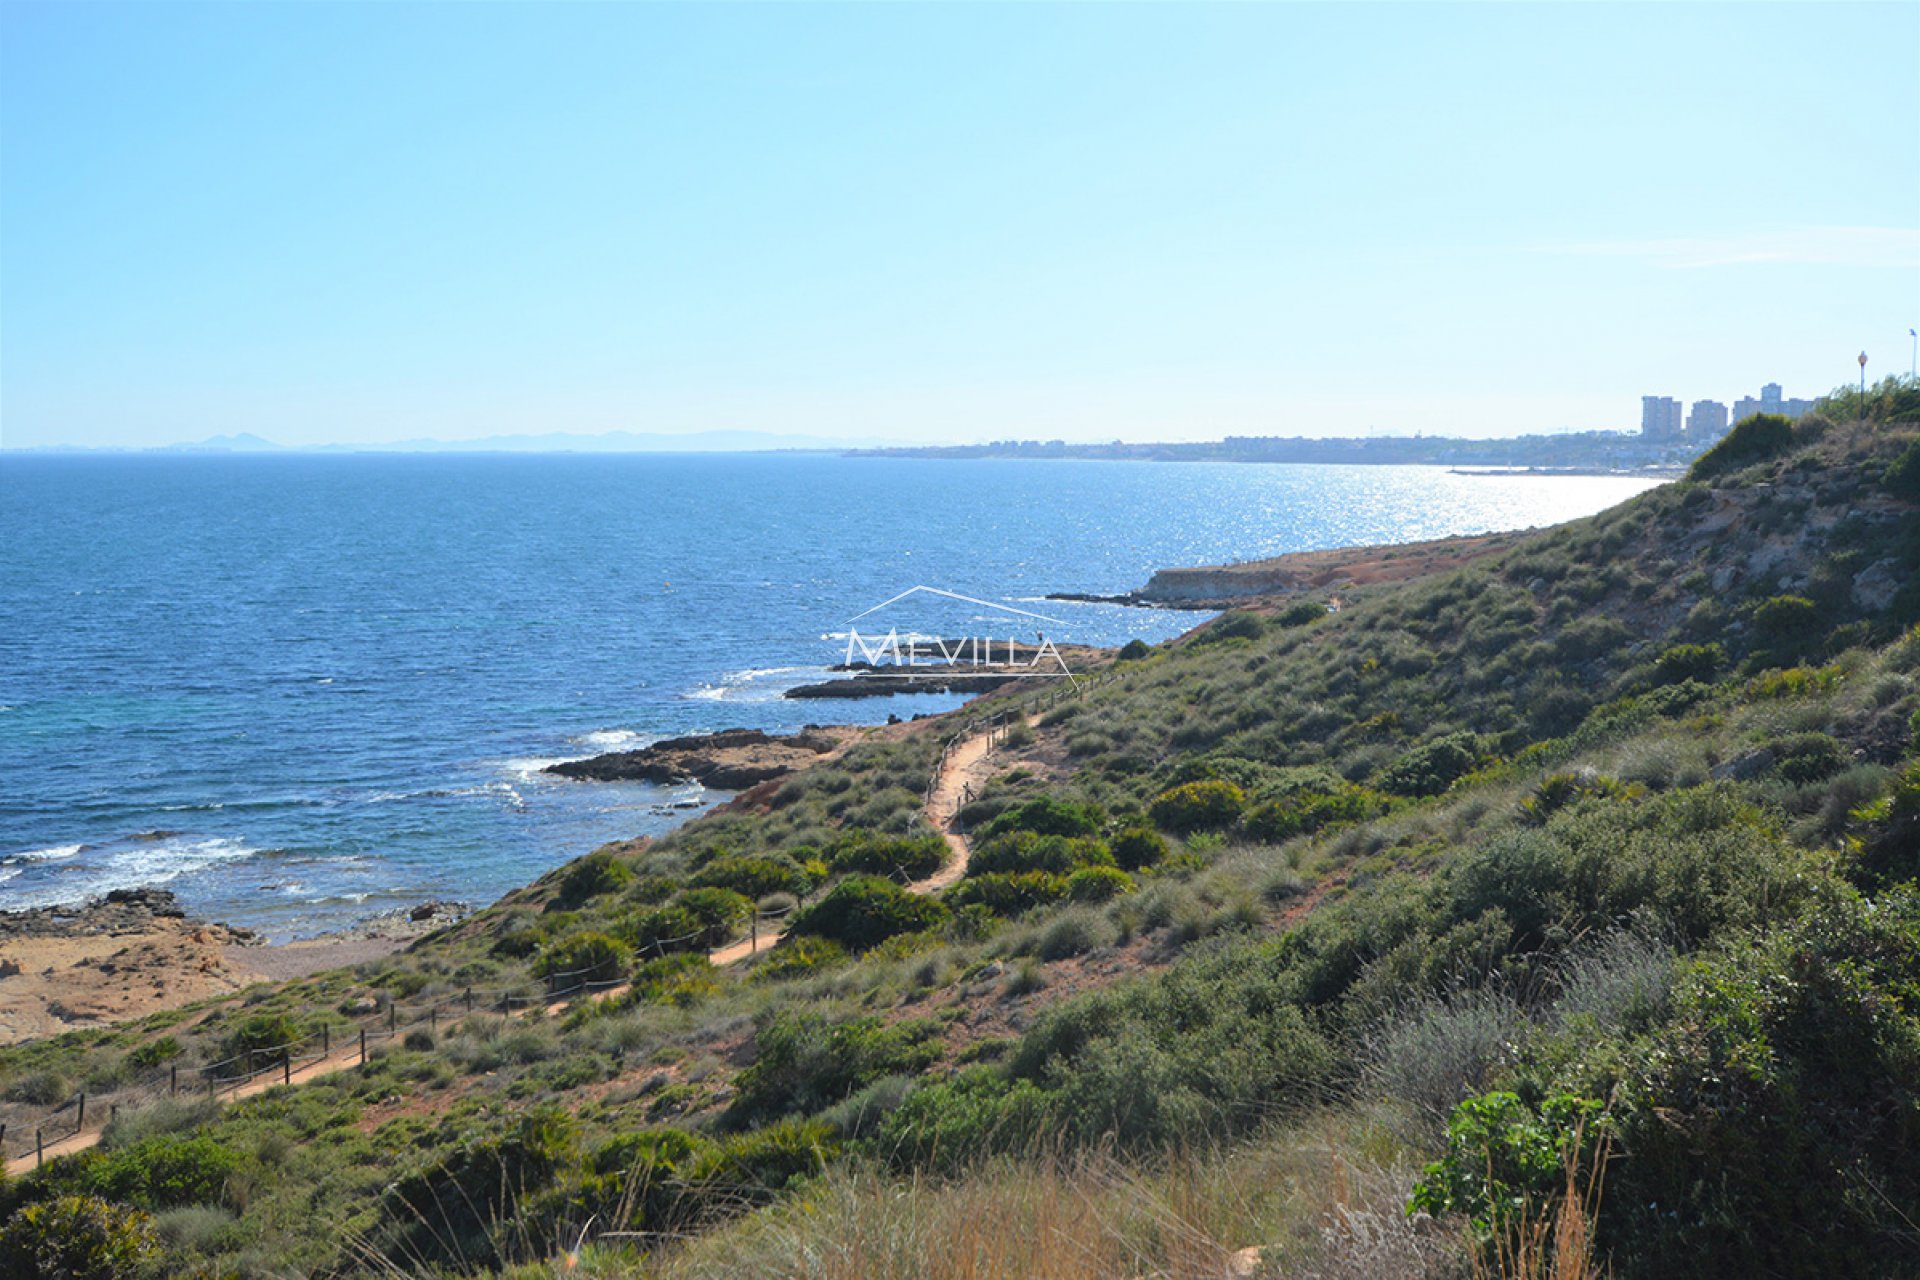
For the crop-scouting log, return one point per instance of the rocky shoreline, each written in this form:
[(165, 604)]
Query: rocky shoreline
[(730, 760)]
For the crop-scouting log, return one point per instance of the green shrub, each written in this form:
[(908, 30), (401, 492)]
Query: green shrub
[(803, 1062), (1307, 812), (1683, 662), (154, 1053), (1138, 847), (1505, 1160), (1301, 614), (1134, 650), (896, 857), (1558, 790), (1786, 617), (1098, 884), (1803, 758), (716, 913), (661, 930), (163, 1172), (1234, 625), (798, 955), (77, 1237), (1902, 478), (1009, 893), (1430, 769), (254, 1041), (676, 979), (1208, 805), (754, 877), (584, 957), (596, 874), (1018, 851), (1045, 816), (863, 911), (1754, 439)]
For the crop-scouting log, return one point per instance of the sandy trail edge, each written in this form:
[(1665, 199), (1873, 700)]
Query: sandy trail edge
[(966, 764)]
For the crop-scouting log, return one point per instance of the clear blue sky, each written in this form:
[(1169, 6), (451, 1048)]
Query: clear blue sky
[(358, 222)]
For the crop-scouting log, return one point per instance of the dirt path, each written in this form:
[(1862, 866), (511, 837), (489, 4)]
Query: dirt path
[(961, 774), (965, 768)]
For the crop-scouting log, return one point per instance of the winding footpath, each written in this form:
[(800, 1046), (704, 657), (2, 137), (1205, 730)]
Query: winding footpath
[(964, 769)]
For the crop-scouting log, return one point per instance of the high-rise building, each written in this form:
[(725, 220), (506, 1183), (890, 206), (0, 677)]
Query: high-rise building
[(1707, 421), (1770, 401), (1659, 418)]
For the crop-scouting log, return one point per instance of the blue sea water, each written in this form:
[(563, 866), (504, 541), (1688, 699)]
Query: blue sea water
[(299, 690)]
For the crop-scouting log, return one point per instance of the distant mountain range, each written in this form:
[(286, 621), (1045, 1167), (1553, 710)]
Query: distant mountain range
[(552, 442)]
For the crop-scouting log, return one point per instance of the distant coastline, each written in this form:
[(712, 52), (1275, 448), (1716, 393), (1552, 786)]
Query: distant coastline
[(1572, 453)]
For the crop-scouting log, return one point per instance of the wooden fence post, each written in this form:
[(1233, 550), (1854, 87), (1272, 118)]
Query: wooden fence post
[(39, 1148), (81, 1123), (363, 1046), (173, 1080), (286, 1065)]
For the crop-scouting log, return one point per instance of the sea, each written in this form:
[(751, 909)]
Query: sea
[(303, 690)]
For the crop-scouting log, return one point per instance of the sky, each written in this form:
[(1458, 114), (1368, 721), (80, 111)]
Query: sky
[(360, 222)]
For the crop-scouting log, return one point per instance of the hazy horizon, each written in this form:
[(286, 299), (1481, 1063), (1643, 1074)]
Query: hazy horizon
[(942, 224)]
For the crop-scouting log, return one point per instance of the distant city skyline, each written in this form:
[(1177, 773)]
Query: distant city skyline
[(917, 223)]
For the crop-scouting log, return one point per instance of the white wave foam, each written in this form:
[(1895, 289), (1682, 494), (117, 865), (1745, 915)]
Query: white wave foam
[(753, 684), (121, 865), (604, 740), (52, 853)]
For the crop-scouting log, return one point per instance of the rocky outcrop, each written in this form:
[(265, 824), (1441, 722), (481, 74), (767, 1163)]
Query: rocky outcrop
[(730, 760), (1227, 585), (120, 913), (870, 684)]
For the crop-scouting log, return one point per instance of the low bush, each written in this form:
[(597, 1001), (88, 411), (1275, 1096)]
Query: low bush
[(77, 1237), (897, 857), (1207, 805), (596, 874), (1429, 769), (798, 955), (1045, 816), (716, 913), (1683, 662), (803, 1061), (1098, 884), (1018, 851), (1009, 893), (863, 911), (754, 877), (162, 1172), (1136, 848), (583, 957)]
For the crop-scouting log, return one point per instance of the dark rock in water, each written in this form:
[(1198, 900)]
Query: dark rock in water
[(879, 686), (426, 911), (731, 760)]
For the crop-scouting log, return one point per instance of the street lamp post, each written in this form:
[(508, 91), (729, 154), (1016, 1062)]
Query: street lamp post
[(1863, 386)]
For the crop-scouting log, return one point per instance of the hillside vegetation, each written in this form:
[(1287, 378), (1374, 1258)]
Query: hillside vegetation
[(1551, 916)]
